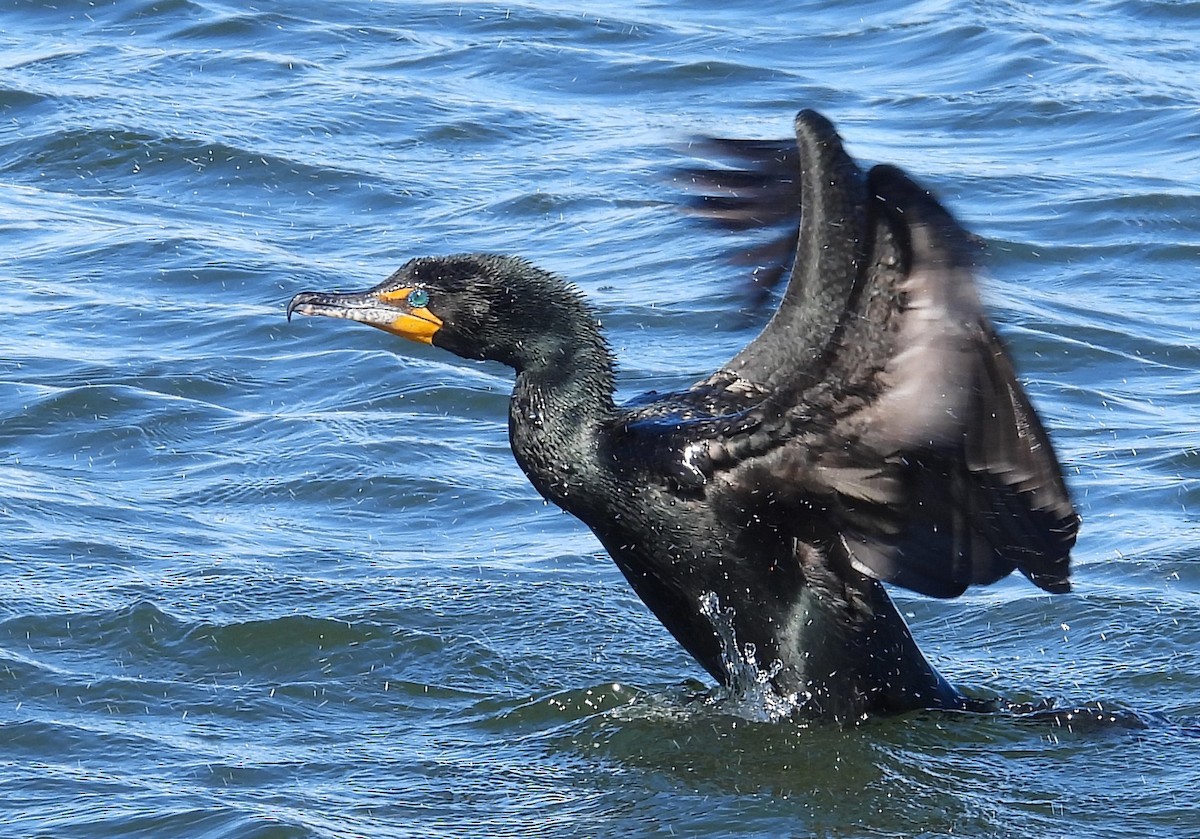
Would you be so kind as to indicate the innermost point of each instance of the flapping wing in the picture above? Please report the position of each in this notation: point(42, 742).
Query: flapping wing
point(828, 241)
point(950, 400)
point(759, 190)
point(887, 426)
point(915, 457)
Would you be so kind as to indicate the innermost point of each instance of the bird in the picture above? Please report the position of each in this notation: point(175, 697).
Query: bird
point(873, 434)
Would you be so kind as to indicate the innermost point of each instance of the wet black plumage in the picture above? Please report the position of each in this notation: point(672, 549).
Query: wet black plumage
point(874, 431)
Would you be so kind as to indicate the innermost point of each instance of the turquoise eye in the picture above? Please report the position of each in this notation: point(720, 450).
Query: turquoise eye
point(418, 298)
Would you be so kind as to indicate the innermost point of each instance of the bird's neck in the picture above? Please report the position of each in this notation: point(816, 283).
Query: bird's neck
point(560, 405)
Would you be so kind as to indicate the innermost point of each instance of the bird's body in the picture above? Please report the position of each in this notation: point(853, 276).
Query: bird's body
point(873, 431)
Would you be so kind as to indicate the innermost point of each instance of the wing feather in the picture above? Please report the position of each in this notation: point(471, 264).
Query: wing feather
point(878, 415)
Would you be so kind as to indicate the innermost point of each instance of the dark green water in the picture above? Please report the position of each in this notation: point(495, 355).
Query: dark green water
point(261, 579)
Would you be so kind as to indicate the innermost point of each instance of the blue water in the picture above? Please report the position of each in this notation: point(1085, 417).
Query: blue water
point(261, 579)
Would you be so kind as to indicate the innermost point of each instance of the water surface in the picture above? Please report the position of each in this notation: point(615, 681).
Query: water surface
point(270, 579)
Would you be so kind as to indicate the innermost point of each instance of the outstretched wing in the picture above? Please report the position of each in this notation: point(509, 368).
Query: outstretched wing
point(936, 470)
point(887, 426)
point(829, 246)
point(759, 190)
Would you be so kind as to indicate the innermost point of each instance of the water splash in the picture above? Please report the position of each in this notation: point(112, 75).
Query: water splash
point(750, 692)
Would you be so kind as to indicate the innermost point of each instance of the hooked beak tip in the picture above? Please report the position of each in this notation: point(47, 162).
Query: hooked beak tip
point(296, 302)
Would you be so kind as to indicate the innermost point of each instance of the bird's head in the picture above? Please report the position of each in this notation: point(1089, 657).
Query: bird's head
point(480, 306)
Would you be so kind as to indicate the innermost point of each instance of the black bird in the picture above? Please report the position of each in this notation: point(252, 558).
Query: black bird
point(873, 432)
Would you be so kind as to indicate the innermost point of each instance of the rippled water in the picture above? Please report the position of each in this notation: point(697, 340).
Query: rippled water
point(270, 579)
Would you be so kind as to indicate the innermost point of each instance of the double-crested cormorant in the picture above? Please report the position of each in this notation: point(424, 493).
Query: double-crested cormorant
point(873, 432)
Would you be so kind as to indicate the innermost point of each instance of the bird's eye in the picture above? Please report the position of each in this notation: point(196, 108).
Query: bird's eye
point(418, 298)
